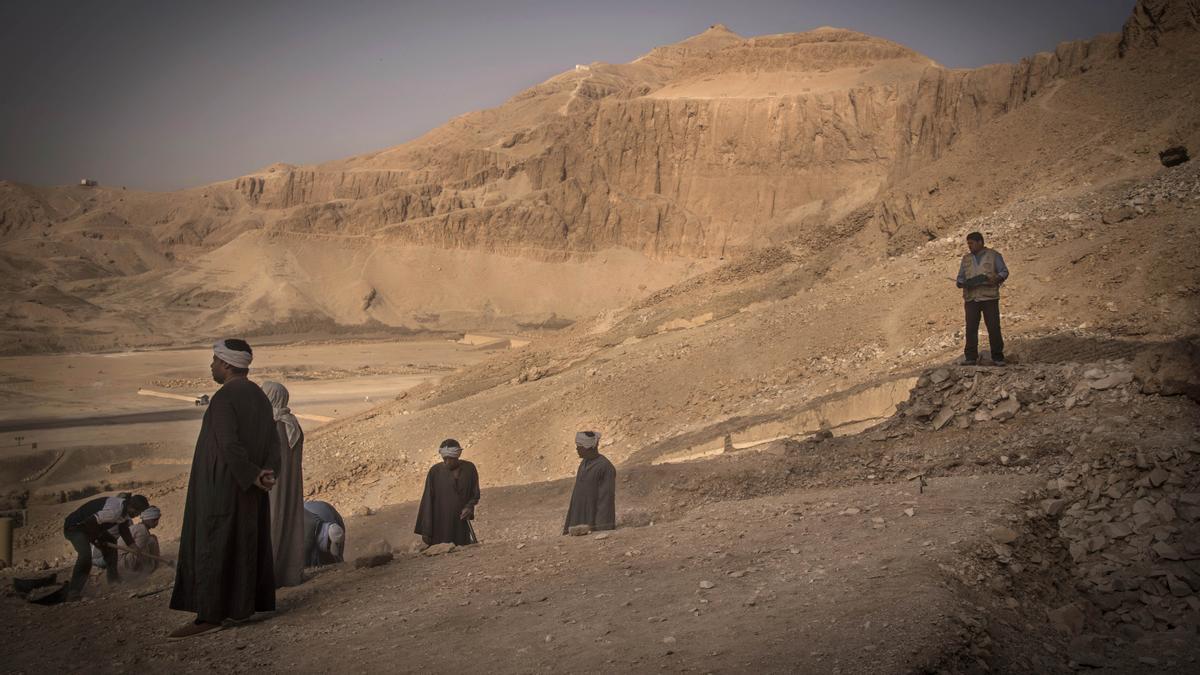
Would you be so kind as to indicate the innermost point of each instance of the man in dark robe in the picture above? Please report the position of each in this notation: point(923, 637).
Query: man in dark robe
point(225, 569)
point(451, 493)
point(324, 534)
point(594, 498)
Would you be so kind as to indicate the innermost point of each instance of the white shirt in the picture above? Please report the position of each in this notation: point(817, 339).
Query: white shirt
point(113, 512)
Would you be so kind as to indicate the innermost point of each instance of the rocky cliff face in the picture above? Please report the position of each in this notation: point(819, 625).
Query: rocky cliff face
point(713, 146)
point(1153, 19)
point(698, 149)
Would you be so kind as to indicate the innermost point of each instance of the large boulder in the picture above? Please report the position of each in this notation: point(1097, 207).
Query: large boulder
point(1170, 370)
point(1173, 156)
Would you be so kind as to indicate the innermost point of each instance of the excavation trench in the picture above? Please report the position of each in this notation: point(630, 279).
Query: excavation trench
point(842, 414)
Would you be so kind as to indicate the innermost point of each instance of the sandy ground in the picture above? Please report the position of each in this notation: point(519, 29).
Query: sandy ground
point(799, 584)
point(87, 420)
point(1057, 531)
point(806, 558)
point(91, 399)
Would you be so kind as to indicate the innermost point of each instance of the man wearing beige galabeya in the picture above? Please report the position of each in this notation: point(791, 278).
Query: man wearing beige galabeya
point(980, 276)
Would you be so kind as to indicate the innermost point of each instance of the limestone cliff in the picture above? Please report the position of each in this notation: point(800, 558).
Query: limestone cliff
point(712, 146)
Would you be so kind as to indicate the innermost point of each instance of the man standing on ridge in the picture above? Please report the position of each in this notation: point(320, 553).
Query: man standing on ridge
point(594, 497)
point(225, 566)
point(980, 275)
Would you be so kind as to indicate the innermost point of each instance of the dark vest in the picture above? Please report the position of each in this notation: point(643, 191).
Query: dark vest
point(88, 510)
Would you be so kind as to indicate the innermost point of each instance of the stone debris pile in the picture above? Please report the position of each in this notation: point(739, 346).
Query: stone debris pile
point(960, 397)
point(1131, 524)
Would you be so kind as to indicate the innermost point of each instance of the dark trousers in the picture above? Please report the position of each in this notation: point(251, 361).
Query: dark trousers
point(990, 309)
point(83, 564)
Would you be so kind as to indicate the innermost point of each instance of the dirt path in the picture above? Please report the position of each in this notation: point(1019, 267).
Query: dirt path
point(811, 581)
point(802, 557)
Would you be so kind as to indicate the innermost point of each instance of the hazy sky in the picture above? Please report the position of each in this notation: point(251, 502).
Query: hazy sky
point(165, 94)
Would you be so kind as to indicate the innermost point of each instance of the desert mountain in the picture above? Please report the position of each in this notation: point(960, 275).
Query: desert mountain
point(836, 174)
point(1068, 184)
point(595, 188)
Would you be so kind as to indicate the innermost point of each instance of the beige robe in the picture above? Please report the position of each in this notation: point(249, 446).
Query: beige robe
point(287, 512)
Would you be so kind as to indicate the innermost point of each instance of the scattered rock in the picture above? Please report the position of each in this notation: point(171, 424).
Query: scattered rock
point(1170, 370)
point(1118, 215)
point(920, 410)
point(1117, 530)
point(1112, 380)
point(1053, 507)
point(707, 584)
point(1068, 619)
point(1087, 650)
point(439, 549)
point(362, 511)
point(1173, 156)
point(1166, 551)
point(943, 417)
point(1006, 409)
point(579, 530)
point(375, 560)
point(1002, 535)
point(379, 546)
point(600, 536)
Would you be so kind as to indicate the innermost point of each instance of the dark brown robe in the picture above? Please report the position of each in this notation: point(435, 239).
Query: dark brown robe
point(444, 499)
point(225, 569)
point(594, 498)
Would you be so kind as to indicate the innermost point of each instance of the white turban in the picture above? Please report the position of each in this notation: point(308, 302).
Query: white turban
point(232, 357)
point(588, 440)
point(151, 513)
point(450, 450)
point(337, 538)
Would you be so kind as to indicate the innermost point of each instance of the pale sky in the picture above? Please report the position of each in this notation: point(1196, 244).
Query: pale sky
point(162, 95)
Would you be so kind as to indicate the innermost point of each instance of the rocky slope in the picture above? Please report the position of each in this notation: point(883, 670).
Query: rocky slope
point(715, 146)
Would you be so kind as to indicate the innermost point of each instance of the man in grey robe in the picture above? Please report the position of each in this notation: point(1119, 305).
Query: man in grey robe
point(324, 534)
point(594, 497)
point(448, 503)
point(225, 568)
point(287, 497)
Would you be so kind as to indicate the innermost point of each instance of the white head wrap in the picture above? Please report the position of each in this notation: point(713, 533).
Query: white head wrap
point(278, 395)
point(337, 539)
point(151, 513)
point(232, 357)
point(587, 439)
point(450, 450)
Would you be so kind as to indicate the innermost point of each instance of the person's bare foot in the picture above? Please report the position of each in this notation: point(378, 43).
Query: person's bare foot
point(192, 629)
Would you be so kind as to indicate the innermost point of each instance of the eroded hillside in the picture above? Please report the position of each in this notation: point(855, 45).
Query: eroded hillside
point(601, 186)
